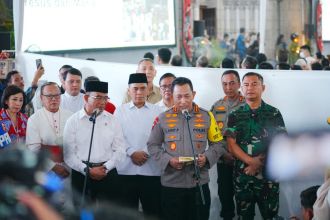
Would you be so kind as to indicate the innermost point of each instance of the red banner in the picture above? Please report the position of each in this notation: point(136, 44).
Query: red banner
point(318, 33)
point(187, 34)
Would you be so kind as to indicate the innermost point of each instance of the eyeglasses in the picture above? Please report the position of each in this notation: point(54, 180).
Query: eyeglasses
point(164, 87)
point(56, 96)
point(103, 98)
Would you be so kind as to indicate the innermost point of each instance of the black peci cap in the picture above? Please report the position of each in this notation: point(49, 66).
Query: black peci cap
point(97, 86)
point(137, 78)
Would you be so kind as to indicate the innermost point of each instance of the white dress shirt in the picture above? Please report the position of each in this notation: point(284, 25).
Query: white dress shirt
point(72, 103)
point(162, 105)
point(137, 124)
point(108, 143)
point(45, 127)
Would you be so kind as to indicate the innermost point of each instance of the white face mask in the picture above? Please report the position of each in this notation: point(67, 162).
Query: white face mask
point(302, 55)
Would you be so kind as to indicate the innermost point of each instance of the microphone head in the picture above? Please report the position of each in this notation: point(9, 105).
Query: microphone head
point(186, 114)
point(184, 111)
point(96, 111)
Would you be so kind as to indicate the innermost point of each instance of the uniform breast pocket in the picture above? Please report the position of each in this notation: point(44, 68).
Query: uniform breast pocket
point(171, 143)
point(200, 142)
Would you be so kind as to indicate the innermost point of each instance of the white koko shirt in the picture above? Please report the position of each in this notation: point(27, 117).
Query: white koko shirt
point(137, 124)
point(108, 143)
point(72, 103)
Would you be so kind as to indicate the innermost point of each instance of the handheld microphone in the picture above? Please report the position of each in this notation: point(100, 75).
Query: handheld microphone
point(186, 114)
point(95, 113)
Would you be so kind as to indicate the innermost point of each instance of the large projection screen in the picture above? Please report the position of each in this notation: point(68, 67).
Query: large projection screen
point(94, 24)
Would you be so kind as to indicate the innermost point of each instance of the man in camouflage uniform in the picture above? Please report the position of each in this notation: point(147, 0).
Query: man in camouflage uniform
point(169, 145)
point(250, 129)
point(230, 84)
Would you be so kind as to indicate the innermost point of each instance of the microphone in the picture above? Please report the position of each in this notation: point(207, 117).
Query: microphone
point(95, 113)
point(186, 114)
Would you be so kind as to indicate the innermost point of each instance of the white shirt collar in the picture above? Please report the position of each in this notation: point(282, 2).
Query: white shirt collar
point(82, 113)
point(131, 105)
point(66, 94)
point(51, 113)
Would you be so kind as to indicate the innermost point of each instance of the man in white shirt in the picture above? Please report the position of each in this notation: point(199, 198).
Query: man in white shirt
point(140, 176)
point(107, 148)
point(165, 85)
point(72, 99)
point(45, 127)
point(61, 73)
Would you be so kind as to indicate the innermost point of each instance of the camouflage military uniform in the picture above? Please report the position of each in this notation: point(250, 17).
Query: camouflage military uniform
point(253, 130)
point(221, 110)
point(170, 138)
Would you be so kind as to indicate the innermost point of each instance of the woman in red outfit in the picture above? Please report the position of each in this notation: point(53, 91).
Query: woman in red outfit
point(12, 120)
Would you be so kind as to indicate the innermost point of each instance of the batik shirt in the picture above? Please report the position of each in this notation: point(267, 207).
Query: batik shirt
point(17, 134)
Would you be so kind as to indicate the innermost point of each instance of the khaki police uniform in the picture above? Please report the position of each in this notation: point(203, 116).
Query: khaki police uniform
point(170, 138)
point(221, 110)
point(153, 97)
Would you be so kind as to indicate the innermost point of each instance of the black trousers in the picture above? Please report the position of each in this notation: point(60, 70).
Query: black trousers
point(147, 189)
point(185, 203)
point(226, 190)
point(106, 189)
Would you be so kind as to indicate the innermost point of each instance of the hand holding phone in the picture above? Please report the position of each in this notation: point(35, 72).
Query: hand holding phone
point(38, 63)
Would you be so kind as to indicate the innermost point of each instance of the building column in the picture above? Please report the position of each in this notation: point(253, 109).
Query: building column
point(247, 18)
point(256, 18)
point(238, 25)
point(227, 19)
point(196, 9)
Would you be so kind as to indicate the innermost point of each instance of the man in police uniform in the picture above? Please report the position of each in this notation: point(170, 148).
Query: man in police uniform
point(170, 146)
point(250, 129)
point(230, 84)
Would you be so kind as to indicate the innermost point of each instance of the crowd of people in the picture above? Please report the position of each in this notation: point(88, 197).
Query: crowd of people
point(246, 46)
point(290, 57)
point(152, 154)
